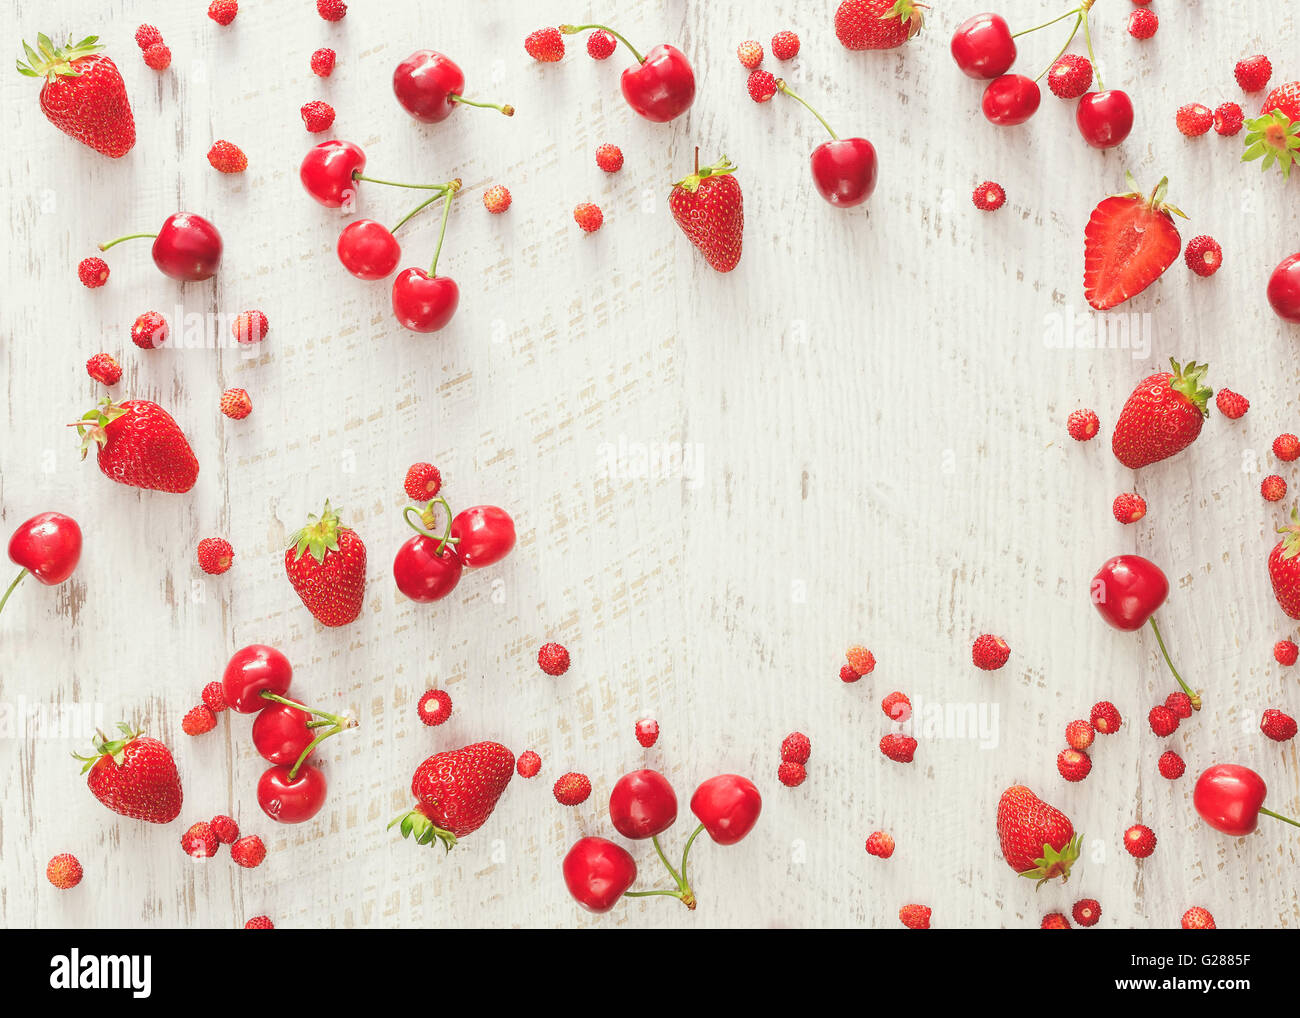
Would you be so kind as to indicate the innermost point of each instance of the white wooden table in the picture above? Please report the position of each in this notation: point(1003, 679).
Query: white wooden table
point(875, 420)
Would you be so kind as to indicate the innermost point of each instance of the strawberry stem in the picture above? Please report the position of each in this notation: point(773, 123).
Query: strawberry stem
point(783, 87)
point(129, 236)
point(575, 29)
point(17, 580)
point(505, 108)
point(1279, 816)
point(1193, 696)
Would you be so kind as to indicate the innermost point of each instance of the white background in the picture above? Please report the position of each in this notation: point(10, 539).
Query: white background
point(878, 423)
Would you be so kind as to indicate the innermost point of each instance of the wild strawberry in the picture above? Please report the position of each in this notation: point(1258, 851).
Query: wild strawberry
point(750, 54)
point(709, 208)
point(225, 828)
point(1171, 765)
point(1277, 726)
point(572, 789)
point(1129, 242)
point(200, 841)
point(1162, 417)
point(761, 85)
point(796, 748)
point(496, 199)
point(1275, 133)
point(1286, 448)
point(1285, 653)
point(1129, 507)
point(860, 660)
point(528, 764)
point(647, 732)
point(877, 24)
point(553, 658)
point(1105, 718)
point(849, 674)
point(1284, 567)
point(249, 327)
point(150, 331)
point(915, 917)
point(1273, 488)
point(326, 564)
point(215, 555)
point(1228, 119)
point(600, 45)
point(1232, 405)
point(609, 158)
point(259, 922)
point(897, 706)
point(227, 158)
point(791, 774)
point(434, 707)
point(1252, 74)
point(223, 11)
point(898, 748)
point(104, 369)
point(1086, 911)
point(63, 871)
point(588, 216)
point(1180, 703)
point(146, 36)
point(248, 852)
point(785, 45)
point(1198, 918)
point(423, 482)
point(158, 57)
point(456, 792)
point(236, 404)
point(140, 445)
point(1070, 77)
point(214, 697)
point(331, 10)
point(1163, 721)
point(93, 272)
point(545, 45)
point(990, 652)
point(1083, 425)
point(880, 845)
point(1079, 734)
point(1054, 921)
point(989, 196)
point(317, 116)
point(1194, 119)
point(322, 62)
point(1142, 23)
point(83, 94)
point(1203, 255)
point(1037, 840)
point(1140, 841)
point(198, 721)
point(1073, 764)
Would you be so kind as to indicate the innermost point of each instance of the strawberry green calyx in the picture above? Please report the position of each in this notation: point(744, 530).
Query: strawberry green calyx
point(320, 535)
point(1291, 535)
point(1187, 381)
point(1054, 863)
point(93, 424)
point(909, 12)
point(56, 61)
point(1275, 137)
point(719, 169)
point(425, 831)
point(1156, 200)
point(103, 746)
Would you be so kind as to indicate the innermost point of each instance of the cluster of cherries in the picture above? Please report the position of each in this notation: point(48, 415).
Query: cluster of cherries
point(984, 47)
point(598, 872)
point(48, 547)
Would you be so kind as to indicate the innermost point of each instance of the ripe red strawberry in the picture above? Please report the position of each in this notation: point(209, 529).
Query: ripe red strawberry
point(134, 776)
point(434, 707)
point(1162, 417)
point(1054, 921)
point(1193, 119)
point(897, 747)
point(215, 555)
point(235, 404)
point(64, 871)
point(861, 660)
point(1231, 404)
point(214, 697)
point(1082, 425)
point(609, 158)
point(1129, 507)
point(880, 844)
point(158, 57)
point(1105, 718)
point(456, 792)
point(1073, 764)
point(1171, 765)
point(897, 706)
point(989, 196)
point(225, 828)
point(1142, 23)
point(849, 674)
point(553, 658)
point(1198, 918)
point(83, 95)
point(1273, 488)
point(1286, 448)
point(588, 216)
point(248, 852)
point(1140, 841)
point(1284, 567)
point(259, 922)
point(93, 272)
point(1252, 74)
point(1285, 653)
point(915, 917)
point(1070, 77)
point(796, 748)
point(791, 774)
point(1080, 734)
point(761, 85)
point(198, 721)
point(1038, 840)
point(1180, 703)
point(326, 563)
point(529, 764)
point(200, 841)
point(709, 208)
point(750, 54)
point(249, 327)
point(572, 789)
point(496, 199)
point(1277, 726)
point(990, 652)
point(322, 62)
point(785, 45)
point(317, 116)
point(140, 445)
point(423, 482)
point(146, 36)
point(223, 11)
point(545, 45)
point(1228, 119)
point(1203, 255)
point(1129, 242)
point(600, 45)
point(104, 369)
point(150, 331)
point(331, 10)
point(1086, 911)
point(647, 732)
point(877, 24)
point(1275, 133)
point(227, 158)
point(1163, 721)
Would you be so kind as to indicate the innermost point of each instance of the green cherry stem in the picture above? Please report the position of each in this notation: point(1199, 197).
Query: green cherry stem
point(419, 208)
point(1087, 37)
point(1194, 697)
point(505, 108)
point(1279, 816)
point(337, 720)
point(442, 231)
point(332, 730)
point(1073, 32)
point(394, 183)
point(684, 891)
point(426, 515)
point(129, 236)
point(1047, 24)
point(575, 29)
point(17, 580)
point(783, 87)
point(687, 850)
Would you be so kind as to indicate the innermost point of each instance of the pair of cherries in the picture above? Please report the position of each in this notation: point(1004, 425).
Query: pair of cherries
point(984, 47)
point(48, 547)
point(285, 732)
point(186, 247)
point(598, 872)
point(428, 566)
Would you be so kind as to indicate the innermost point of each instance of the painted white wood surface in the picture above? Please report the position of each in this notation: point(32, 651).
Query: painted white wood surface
point(876, 424)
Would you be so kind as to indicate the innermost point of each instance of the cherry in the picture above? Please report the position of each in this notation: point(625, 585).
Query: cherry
point(281, 733)
point(1011, 99)
point(429, 87)
point(425, 301)
point(186, 247)
point(368, 249)
point(1104, 118)
point(727, 807)
point(642, 805)
point(250, 672)
point(427, 567)
point(983, 46)
point(288, 797)
point(48, 547)
point(661, 87)
point(597, 872)
point(1230, 798)
point(484, 534)
point(843, 169)
point(1284, 289)
point(330, 170)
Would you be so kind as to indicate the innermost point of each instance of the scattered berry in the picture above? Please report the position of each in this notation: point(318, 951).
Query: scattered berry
point(546, 45)
point(1231, 404)
point(331, 10)
point(572, 789)
point(235, 404)
point(1163, 721)
point(215, 555)
point(249, 327)
point(1079, 734)
point(791, 774)
point(214, 697)
point(990, 652)
point(861, 660)
point(150, 331)
point(1203, 255)
point(1129, 507)
point(1105, 717)
point(897, 706)
point(609, 158)
point(1253, 73)
point(317, 116)
point(989, 196)
point(104, 369)
point(1070, 77)
point(1285, 652)
point(223, 11)
point(1054, 921)
point(496, 199)
point(93, 272)
point(588, 216)
point(1083, 425)
point(63, 871)
point(1273, 488)
point(898, 748)
point(1194, 119)
point(1086, 911)
point(785, 45)
point(200, 841)
point(248, 852)
point(849, 674)
point(647, 732)
point(880, 844)
point(158, 57)
point(915, 917)
point(553, 658)
point(423, 482)
point(528, 764)
point(1277, 726)
point(199, 720)
point(1286, 448)
point(146, 36)
point(1228, 119)
point(761, 85)
point(1198, 918)
point(1073, 764)
point(434, 707)
point(750, 53)
point(600, 45)
point(227, 158)
point(322, 62)
point(1140, 841)
point(1142, 23)
point(796, 748)
point(1180, 703)
point(1171, 765)
point(259, 922)
point(225, 828)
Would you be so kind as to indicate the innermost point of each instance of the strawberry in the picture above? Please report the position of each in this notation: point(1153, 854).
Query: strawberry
point(146, 36)
point(235, 404)
point(322, 62)
point(600, 45)
point(198, 721)
point(134, 776)
point(331, 10)
point(158, 57)
point(1140, 841)
point(1073, 764)
point(990, 652)
point(1162, 417)
point(104, 369)
point(1252, 74)
point(93, 272)
point(528, 764)
point(708, 207)
point(223, 11)
point(434, 707)
point(878, 24)
point(1038, 840)
point(214, 697)
point(553, 658)
point(1284, 567)
point(225, 157)
point(63, 871)
point(880, 844)
point(1286, 448)
point(456, 792)
point(861, 660)
point(572, 789)
point(200, 841)
point(750, 54)
point(1129, 507)
point(1170, 765)
point(150, 331)
point(259, 922)
point(1285, 653)
point(140, 445)
point(545, 45)
point(785, 45)
point(1163, 721)
point(1082, 425)
point(915, 917)
point(1198, 918)
point(1273, 488)
point(1193, 119)
point(423, 482)
point(1203, 255)
point(849, 674)
point(326, 563)
point(1232, 405)
point(1228, 119)
point(898, 748)
point(897, 706)
point(1054, 921)
point(791, 774)
point(1086, 911)
point(1070, 77)
point(1129, 242)
point(248, 852)
point(609, 158)
point(989, 196)
point(588, 216)
point(249, 327)
point(83, 95)
point(1105, 718)
point(225, 828)
point(796, 748)
point(317, 116)
point(1180, 703)
point(1275, 133)
point(761, 85)
point(1142, 23)
point(215, 555)
point(496, 199)
point(1080, 734)
point(1277, 726)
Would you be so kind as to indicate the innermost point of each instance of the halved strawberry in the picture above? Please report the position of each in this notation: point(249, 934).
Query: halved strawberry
point(1275, 134)
point(1130, 240)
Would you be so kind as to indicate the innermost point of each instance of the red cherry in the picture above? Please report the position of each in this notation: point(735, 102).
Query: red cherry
point(597, 872)
point(642, 805)
point(329, 172)
point(429, 86)
point(1284, 289)
point(983, 46)
point(1228, 797)
point(424, 303)
point(250, 671)
point(727, 806)
point(291, 800)
point(1104, 118)
point(1011, 99)
point(48, 546)
point(187, 248)
point(368, 250)
point(484, 534)
point(280, 733)
point(662, 87)
point(421, 573)
point(1127, 590)
point(844, 171)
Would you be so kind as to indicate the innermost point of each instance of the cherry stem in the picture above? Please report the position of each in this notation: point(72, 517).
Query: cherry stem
point(1087, 37)
point(394, 183)
point(333, 730)
point(1073, 32)
point(417, 210)
point(505, 108)
point(684, 891)
point(1194, 697)
point(129, 236)
point(783, 87)
point(442, 232)
point(338, 720)
point(575, 29)
point(687, 850)
point(1279, 816)
point(1047, 24)
point(423, 529)
point(17, 580)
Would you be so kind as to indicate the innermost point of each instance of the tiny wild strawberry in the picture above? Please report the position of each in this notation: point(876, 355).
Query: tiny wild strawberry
point(1194, 119)
point(158, 57)
point(317, 116)
point(791, 774)
point(236, 404)
point(322, 62)
point(199, 721)
point(553, 658)
point(785, 45)
point(1070, 77)
point(588, 216)
point(1171, 765)
point(1228, 119)
point(1285, 653)
point(1105, 718)
point(528, 764)
point(496, 199)
point(93, 272)
point(1129, 507)
point(223, 11)
point(1252, 74)
point(150, 331)
point(1231, 404)
point(897, 747)
point(423, 482)
point(248, 852)
point(215, 555)
point(227, 158)
point(796, 748)
point(546, 45)
point(331, 10)
point(1273, 488)
point(225, 828)
point(1198, 918)
point(1083, 425)
point(990, 652)
point(1073, 764)
point(1286, 448)
point(1142, 23)
point(989, 196)
point(1086, 911)
point(880, 845)
point(600, 45)
point(1080, 734)
point(572, 789)
point(1163, 721)
point(761, 85)
point(1140, 841)
point(647, 732)
point(750, 54)
point(104, 369)
point(1054, 921)
point(1203, 255)
point(434, 707)
point(64, 871)
point(1277, 726)
point(609, 158)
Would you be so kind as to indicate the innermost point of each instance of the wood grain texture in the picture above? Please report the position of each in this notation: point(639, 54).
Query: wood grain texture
point(872, 411)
